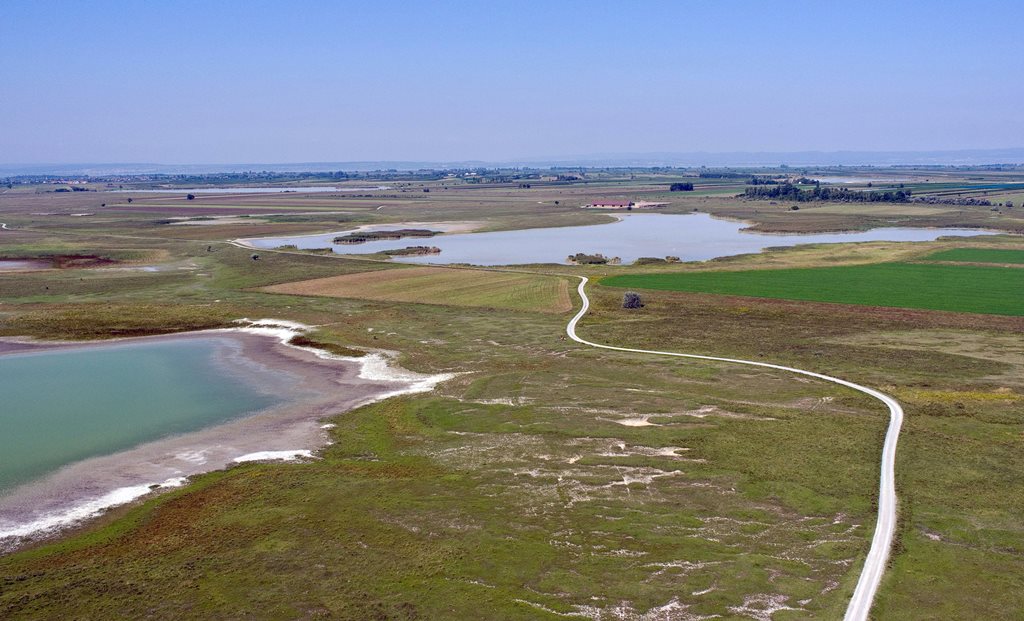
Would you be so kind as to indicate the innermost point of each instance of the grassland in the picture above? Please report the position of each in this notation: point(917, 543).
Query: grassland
point(547, 478)
point(431, 285)
point(979, 255)
point(968, 289)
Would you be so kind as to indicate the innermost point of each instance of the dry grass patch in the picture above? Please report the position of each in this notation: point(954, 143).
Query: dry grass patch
point(436, 285)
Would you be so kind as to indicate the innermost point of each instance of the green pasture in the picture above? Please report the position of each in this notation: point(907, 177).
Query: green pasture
point(959, 288)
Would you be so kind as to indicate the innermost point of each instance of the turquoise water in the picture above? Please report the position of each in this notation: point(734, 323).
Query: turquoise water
point(63, 405)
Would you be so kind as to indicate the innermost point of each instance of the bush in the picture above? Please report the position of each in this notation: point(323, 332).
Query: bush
point(631, 299)
point(581, 258)
point(681, 187)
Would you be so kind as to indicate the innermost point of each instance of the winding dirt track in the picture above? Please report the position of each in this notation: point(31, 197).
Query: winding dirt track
point(885, 528)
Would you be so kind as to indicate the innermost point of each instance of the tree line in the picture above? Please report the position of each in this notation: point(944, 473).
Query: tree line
point(790, 192)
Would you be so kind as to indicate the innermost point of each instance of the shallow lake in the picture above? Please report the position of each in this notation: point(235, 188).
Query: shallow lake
point(691, 237)
point(65, 405)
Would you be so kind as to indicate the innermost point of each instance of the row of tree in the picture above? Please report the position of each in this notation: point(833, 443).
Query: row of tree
point(937, 200)
point(790, 192)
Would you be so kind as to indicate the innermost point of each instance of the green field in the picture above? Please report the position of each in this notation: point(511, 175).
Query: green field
point(979, 255)
point(960, 288)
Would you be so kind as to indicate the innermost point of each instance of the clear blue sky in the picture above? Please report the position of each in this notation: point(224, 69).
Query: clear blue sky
point(217, 82)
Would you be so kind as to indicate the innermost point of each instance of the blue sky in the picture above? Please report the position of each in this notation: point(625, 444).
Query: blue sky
point(217, 82)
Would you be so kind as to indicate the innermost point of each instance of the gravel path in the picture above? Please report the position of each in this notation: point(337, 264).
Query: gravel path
point(885, 528)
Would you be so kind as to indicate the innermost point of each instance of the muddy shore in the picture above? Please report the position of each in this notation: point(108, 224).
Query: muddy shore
point(309, 385)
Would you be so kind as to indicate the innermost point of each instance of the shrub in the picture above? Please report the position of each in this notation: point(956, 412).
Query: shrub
point(581, 258)
point(631, 299)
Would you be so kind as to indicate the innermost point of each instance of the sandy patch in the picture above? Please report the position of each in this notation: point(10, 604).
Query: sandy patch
point(291, 455)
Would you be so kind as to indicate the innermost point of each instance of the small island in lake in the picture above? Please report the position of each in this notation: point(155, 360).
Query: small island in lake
point(581, 258)
point(368, 236)
point(412, 251)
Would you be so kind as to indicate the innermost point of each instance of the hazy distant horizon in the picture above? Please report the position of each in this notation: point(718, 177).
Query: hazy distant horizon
point(965, 157)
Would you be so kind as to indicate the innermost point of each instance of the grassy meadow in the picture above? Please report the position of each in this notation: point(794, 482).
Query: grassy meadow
point(433, 285)
point(958, 288)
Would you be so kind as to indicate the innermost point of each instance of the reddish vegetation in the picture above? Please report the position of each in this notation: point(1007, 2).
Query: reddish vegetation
point(70, 261)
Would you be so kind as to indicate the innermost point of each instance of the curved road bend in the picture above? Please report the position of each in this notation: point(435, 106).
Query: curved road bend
point(881, 542)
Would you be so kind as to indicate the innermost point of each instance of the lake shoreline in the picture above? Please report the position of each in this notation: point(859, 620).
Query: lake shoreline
point(317, 385)
point(693, 236)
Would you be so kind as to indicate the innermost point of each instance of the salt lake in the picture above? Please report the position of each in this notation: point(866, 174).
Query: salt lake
point(64, 405)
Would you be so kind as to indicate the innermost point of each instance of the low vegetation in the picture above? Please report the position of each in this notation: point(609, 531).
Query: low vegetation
point(301, 340)
point(412, 251)
point(979, 255)
point(960, 288)
point(436, 285)
point(549, 479)
point(368, 236)
point(655, 260)
point(106, 320)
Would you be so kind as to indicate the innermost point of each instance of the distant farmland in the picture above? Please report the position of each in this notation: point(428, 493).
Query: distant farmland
point(959, 288)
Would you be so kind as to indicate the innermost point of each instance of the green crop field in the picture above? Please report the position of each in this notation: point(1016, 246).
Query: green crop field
point(979, 255)
point(961, 288)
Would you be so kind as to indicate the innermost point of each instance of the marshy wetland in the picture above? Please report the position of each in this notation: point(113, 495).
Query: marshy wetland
point(541, 478)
